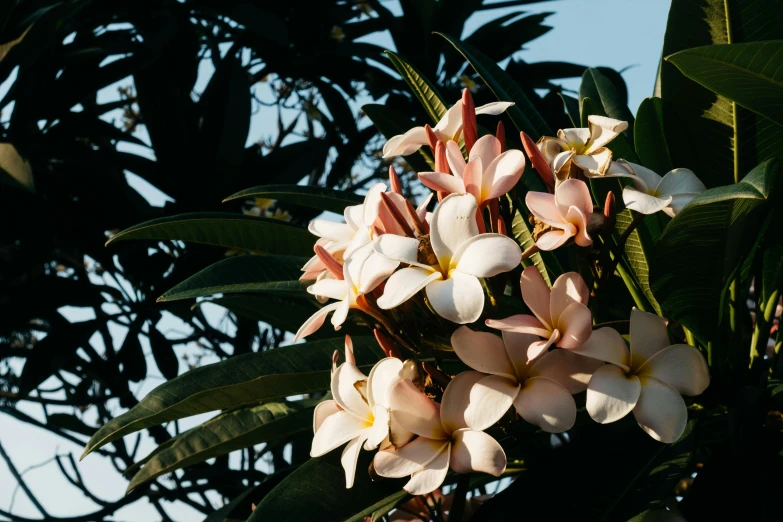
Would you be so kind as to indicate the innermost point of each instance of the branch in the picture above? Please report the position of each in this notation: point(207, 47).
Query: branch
point(22, 483)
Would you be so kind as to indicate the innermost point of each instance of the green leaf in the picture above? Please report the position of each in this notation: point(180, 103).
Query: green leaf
point(422, 89)
point(244, 379)
point(571, 106)
point(163, 353)
point(240, 274)
point(233, 430)
point(704, 245)
point(316, 491)
point(285, 313)
point(316, 197)
point(650, 137)
point(390, 123)
point(599, 88)
point(724, 141)
point(750, 74)
point(524, 115)
point(250, 233)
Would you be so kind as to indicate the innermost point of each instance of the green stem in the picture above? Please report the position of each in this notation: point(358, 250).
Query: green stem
point(689, 337)
point(765, 311)
point(636, 292)
point(618, 250)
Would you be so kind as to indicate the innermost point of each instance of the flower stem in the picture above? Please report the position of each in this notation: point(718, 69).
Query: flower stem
point(620, 247)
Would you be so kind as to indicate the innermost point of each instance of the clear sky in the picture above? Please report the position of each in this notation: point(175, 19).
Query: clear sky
point(614, 33)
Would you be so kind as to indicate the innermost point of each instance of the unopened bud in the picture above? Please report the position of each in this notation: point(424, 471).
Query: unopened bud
point(469, 125)
point(432, 139)
point(500, 134)
point(436, 374)
point(538, 161)
point(394, 180)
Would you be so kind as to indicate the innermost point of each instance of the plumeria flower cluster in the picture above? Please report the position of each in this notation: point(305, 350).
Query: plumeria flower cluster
point(527, 366)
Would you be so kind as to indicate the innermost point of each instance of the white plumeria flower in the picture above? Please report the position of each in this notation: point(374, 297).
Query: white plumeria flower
point(358, 413)
point(448, 128)
point(648, 379)
point(463, 256)
point(652, 193)
point(488, 174)
point(585, 148)
point(447, 437)
point(540, 390)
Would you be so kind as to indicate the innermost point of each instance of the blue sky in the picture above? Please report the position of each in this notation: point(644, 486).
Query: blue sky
point(614, 33)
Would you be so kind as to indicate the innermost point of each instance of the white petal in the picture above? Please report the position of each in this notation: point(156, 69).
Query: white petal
point(517, 345)
point(648, 177)
point(483, 352)
point(487, 255)
point(611, 395)
point(453, 223)
point(335, 431)
point(460, 298)
point(680, 181)
point(644, 203)
point(372, 204)
point(341, 313)
point(315, 321)
point(404, 284)
point(476, 401)
point(408, 459)
point(354, 216)
point(331, 230)
point(574, 138)
point(455, 158)
point(648, 336)
point(451, 123)
point(494, 108)
point(603, 130)
point(475, 451)
point(383, 376)
point(680, 366)
point(379, 430)
point(398, 248)
point(432, 476)
point(566, 368)
point(660, 412)
point(415, 411)
point(404, 144)
point(375, 270)
point(323, 410)
point(350, 457)
point(606, 344)
point(546, 404)
point(345, 393)
point(456, 400)
point(594, 164)
point(331, 288)
point(678, 202)
point(536, 294)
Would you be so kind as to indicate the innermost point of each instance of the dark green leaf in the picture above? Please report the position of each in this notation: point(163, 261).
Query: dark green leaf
point(316, 197)
point(244, 379)
point(391, 123)
point(238, 274)
point(597, 87)
point(250, 233)
point(650, 137)
point(422, 89)
point(163, 353)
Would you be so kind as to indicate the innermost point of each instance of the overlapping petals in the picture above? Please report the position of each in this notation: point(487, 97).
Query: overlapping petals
point(648, 380)
point(583, 148)
point(447, 436)
point(561, 315)
point(358, 413)
point(488, 173)
point(652, 193)
point(564, 215)
point(448, 128)
point(461, 257)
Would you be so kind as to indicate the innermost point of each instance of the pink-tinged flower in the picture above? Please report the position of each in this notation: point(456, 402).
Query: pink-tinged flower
point(358, 413)
point(448, 435)
point(488, 174)
point(652, 193)
point(567, 212)
point(647, 380)
point(460, 257)
point(448, 128)
point(540, 392)
point(585, 148)
point(561, 316)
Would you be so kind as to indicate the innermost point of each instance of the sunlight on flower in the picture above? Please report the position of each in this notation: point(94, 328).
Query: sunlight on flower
point(565, 214)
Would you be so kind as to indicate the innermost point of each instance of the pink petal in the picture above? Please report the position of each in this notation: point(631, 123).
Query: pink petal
point(578, 220)
point(432, 476)
point(648, 336)
point(487, 148)
point(568, 288)
point(681, 366)
point(575, 325)
point(523, 324)
point(455, 158)
point(408, 459)
point(611, 394)
point(477, 401)
point(546, 404)
point(471, 177)
point(456, 399)
point(536, 295)
point(415, 411)
point(517, 345)
point(543, 207)
point(566, 368)
point(442, 182)
point(660, 411)
point(606, 344)
point(482, 351)
point(502, 174)
point(556, 238)
point(315, 321)
point(538, 348)
point(573, 193)
point(475, 451)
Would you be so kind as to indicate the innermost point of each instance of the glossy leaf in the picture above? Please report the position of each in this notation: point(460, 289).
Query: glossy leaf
point(422, 89)
point(750, 74)
point(390, 123)
point(227, 432)
point(250, 233)
point(244, 379)
point(599, 88)
point(316, 197)
point(242, 274)
point(714, 226)
point(524, 115)
point(650, 137)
